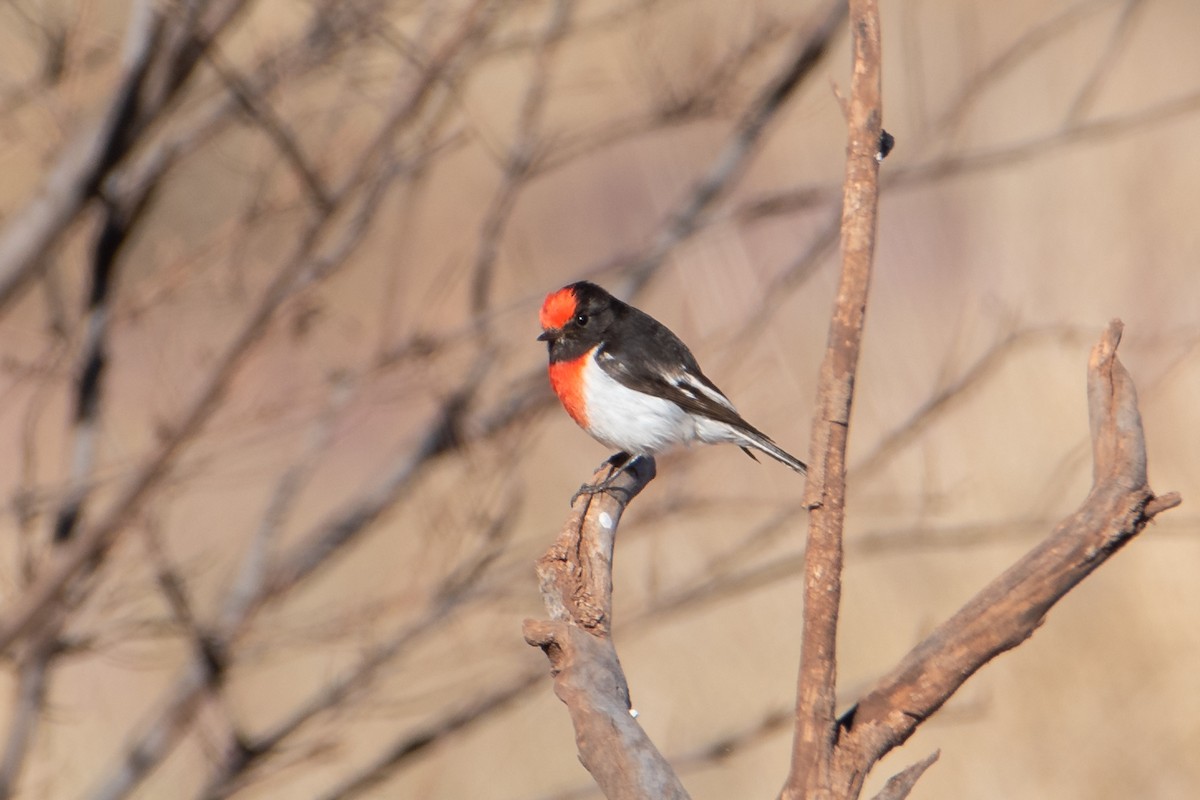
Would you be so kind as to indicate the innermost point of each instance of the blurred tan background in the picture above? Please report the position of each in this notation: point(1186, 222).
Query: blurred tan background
point(420, 175)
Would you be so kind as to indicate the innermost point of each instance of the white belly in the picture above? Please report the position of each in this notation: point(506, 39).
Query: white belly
point(641, 424)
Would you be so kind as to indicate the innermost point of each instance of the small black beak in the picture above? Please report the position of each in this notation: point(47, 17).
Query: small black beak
point(547, 336)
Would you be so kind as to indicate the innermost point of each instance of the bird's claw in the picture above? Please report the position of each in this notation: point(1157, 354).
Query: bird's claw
point(600, 488)
point(619, 463)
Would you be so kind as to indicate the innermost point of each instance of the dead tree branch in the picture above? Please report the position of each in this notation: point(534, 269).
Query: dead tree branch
point(900, 784)
point(1008, 610)
point(576, 580)
point(816, 725)
point(338, 516)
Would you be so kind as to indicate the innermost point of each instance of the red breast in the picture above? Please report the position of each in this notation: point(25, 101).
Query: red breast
point(566, 377)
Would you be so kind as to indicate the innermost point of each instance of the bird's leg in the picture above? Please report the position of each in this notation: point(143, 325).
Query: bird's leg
point(618, 463)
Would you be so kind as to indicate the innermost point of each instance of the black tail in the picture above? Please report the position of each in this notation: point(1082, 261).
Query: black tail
point(765, 445)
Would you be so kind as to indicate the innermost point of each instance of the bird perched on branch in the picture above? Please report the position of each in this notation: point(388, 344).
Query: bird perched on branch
point(632, 384)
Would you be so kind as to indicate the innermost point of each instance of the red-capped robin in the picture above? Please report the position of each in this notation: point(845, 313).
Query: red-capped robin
point(632, 384)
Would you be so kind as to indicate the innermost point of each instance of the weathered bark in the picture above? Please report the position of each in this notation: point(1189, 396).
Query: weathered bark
point(816, 690)
point(576, 580)
point(1007, 611)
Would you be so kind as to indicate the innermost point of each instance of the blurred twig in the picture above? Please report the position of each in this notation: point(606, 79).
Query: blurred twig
point(809, 48)
point(305, 265)
point(161, 51)
point(521, 155)
point(1107, 59)
point(123, 208)
point(456, 588)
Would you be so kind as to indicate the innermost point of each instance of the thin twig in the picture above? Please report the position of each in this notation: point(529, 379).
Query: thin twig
point(276, 129)
point(1106, 59)
point(900, 784)
point(304, 266)
point(808, 50)
point(28, 710)
point(939, 168)
point(448, 598)
point(521, 156)
point(161, 52)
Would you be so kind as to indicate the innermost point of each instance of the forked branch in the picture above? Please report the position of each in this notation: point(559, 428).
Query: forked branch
point(1009, 609)
point(833, 755)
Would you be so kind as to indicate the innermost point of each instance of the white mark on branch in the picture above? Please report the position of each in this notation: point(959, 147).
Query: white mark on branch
point(606, 520)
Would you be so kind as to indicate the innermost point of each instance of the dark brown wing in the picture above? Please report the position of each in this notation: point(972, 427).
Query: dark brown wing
point(647, 357)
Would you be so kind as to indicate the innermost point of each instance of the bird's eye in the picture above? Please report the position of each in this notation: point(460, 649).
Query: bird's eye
point(581, 320)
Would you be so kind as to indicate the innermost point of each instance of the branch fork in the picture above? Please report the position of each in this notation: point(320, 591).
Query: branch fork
point(832, 754)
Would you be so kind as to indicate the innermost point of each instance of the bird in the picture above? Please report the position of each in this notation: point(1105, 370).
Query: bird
point(633, 385)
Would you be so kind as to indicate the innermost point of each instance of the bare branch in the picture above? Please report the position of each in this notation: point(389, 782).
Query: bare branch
point(900, 785)
point(32, 680)
point(1107, 58)
point(277, 130)
point(940, 168)
point(1008, 610)
point(452, 592)
point(411, 744)
point(251, 577)
point(521, 156)
point(305, 265)
point(123, 210)
point(816, 693)
point(808, 50)
point(161, 51)
point(147, 751)
point(576, 580)
point(266, 294)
